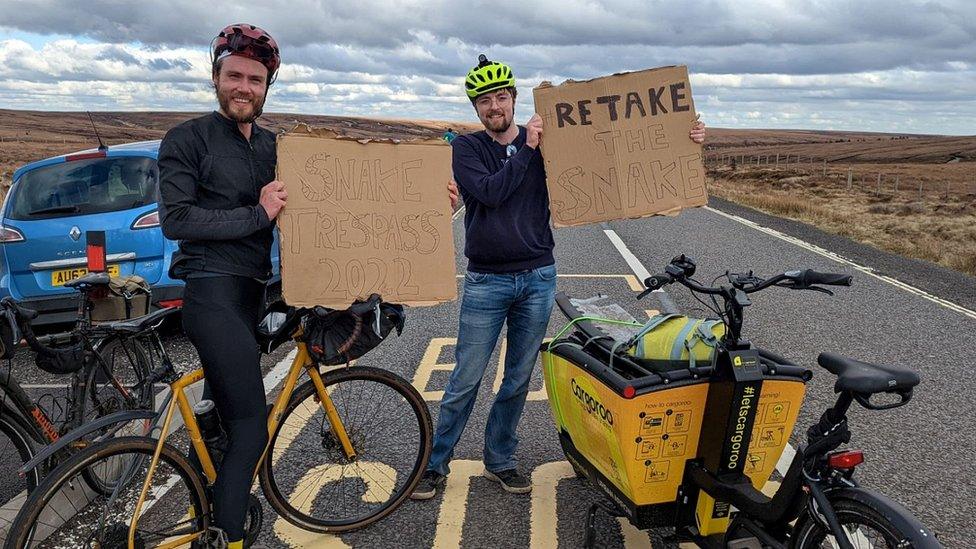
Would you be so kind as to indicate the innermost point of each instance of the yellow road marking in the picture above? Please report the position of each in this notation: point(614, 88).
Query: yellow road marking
point(428, 364)
point(634, 538)
point(454, 507)
point(543, 513)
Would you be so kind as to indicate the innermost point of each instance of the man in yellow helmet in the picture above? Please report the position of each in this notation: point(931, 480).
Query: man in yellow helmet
point(511, 274)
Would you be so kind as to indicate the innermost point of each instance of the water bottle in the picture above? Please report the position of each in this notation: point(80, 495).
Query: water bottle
point(212, 432)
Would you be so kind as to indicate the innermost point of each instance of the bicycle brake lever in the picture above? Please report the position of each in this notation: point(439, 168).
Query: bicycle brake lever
point(643, 294)
point(819, 289)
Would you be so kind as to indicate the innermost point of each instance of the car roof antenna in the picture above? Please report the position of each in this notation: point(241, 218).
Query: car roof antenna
point(101, 145)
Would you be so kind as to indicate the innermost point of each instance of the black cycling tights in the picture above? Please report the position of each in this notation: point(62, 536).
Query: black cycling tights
point(220, 315)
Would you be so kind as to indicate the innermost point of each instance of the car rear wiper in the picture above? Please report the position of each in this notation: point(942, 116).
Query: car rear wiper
point(56, 209)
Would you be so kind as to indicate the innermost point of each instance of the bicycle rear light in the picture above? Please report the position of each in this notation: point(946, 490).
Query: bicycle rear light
point(847, 459)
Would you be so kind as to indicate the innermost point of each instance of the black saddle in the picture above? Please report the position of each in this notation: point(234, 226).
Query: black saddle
point(138, 324)
point(90, 279)
point(865, 378)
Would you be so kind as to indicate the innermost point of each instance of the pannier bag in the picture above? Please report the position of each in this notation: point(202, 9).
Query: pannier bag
point(62, 359)
point(335, 337)
point(673, 341)
point(127, 297)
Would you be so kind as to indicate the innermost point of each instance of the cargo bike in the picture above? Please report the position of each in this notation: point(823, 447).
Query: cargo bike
point(681, 422)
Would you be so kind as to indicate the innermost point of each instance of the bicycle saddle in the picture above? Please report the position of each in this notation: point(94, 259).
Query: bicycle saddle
point(138, 324)
point(866, 378)
point(90, 279)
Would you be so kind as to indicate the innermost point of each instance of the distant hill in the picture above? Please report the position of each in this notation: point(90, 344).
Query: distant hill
point(31, 135)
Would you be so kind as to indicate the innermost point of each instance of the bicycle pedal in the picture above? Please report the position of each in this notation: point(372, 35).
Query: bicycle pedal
point(213, 538)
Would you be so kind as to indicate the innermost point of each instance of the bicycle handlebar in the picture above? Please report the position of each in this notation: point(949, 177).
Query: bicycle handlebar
point(24, 316)
point(795, 280)
point(809, 277)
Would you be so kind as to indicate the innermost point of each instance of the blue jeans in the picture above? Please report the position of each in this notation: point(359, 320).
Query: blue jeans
point(525, 301)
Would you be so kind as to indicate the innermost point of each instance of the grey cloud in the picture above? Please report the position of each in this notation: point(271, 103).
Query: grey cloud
point(115, 53)
point(168, 64)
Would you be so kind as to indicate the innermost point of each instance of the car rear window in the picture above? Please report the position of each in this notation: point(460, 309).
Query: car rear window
point(89, 186)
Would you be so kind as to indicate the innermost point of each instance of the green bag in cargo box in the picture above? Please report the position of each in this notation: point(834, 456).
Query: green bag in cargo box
point(673, 341)
point(127, 297)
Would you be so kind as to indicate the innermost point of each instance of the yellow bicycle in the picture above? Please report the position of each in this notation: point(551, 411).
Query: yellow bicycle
point(346, 448)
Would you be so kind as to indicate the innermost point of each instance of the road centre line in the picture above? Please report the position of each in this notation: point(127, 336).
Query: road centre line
point(635, 264)
point(844, 261)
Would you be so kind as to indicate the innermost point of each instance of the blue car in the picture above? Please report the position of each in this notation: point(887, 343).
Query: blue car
point(53, 202)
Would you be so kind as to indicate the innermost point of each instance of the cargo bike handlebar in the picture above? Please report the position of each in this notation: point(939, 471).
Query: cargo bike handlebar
point(682, 268)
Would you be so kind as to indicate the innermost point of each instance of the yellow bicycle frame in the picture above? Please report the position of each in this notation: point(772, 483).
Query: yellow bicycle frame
point(302, 361)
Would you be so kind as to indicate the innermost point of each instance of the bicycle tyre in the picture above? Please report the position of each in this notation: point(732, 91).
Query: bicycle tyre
point(63, 477)
point(22, 446)
point(859, 518)
point(139, 363)
point(337, 382)
point(105, 399)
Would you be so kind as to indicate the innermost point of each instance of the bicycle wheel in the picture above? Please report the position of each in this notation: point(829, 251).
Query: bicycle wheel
point(16, 449)
point(865, 527)
point(63, 512)
point(111, 382)
point(110, 386)
point(306, 476)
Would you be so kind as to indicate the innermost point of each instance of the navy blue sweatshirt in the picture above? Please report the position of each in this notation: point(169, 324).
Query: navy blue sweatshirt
point(506, 222)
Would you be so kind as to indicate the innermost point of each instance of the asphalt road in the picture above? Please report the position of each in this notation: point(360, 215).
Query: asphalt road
point(898, 311)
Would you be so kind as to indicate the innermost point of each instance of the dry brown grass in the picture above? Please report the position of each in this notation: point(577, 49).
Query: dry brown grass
point(933, 227)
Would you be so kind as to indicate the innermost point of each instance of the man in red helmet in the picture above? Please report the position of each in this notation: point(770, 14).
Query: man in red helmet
point(219, 199)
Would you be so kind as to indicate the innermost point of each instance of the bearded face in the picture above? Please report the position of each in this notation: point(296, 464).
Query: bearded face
point(242, 86)
point(496, 110)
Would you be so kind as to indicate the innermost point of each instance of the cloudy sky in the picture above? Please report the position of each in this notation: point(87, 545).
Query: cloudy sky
point(878, 65)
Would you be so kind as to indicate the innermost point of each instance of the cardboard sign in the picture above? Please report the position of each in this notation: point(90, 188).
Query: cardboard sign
point(362, 217)
point(617, 147)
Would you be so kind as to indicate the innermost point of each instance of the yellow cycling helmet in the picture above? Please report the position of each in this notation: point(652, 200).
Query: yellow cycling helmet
point(488, 76)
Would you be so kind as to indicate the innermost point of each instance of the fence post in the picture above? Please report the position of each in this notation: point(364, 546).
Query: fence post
point(850, 177)
point(947, 190)
point(919, 189)
point(879, 183)
point(824, 167)
point(897, 177)
point(777, 160)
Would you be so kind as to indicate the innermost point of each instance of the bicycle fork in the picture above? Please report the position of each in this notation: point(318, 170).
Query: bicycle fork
point(304, 361)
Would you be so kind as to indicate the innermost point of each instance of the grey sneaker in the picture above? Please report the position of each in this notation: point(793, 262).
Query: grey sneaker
point(428, 485)
point(511, 480)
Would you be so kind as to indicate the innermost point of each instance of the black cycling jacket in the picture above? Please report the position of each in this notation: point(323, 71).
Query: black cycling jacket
point(210, 180)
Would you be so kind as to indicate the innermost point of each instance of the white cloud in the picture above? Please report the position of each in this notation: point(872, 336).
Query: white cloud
point(897, 65)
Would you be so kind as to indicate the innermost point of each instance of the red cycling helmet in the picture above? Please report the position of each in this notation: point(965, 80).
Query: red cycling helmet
point(247, 41)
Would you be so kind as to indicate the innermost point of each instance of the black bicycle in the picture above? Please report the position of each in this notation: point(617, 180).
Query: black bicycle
point(105, 362)
point(705, 448)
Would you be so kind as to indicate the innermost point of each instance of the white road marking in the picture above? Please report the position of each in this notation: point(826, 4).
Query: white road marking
point(844, 261)
point(629, 257)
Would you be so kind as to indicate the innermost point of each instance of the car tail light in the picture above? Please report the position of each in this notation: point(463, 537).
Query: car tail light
point(846, 460)
point(10, 234)
point(167, 303)
point(151, 219)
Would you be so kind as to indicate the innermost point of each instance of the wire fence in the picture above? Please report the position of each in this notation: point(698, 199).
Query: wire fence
point(865, 178)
